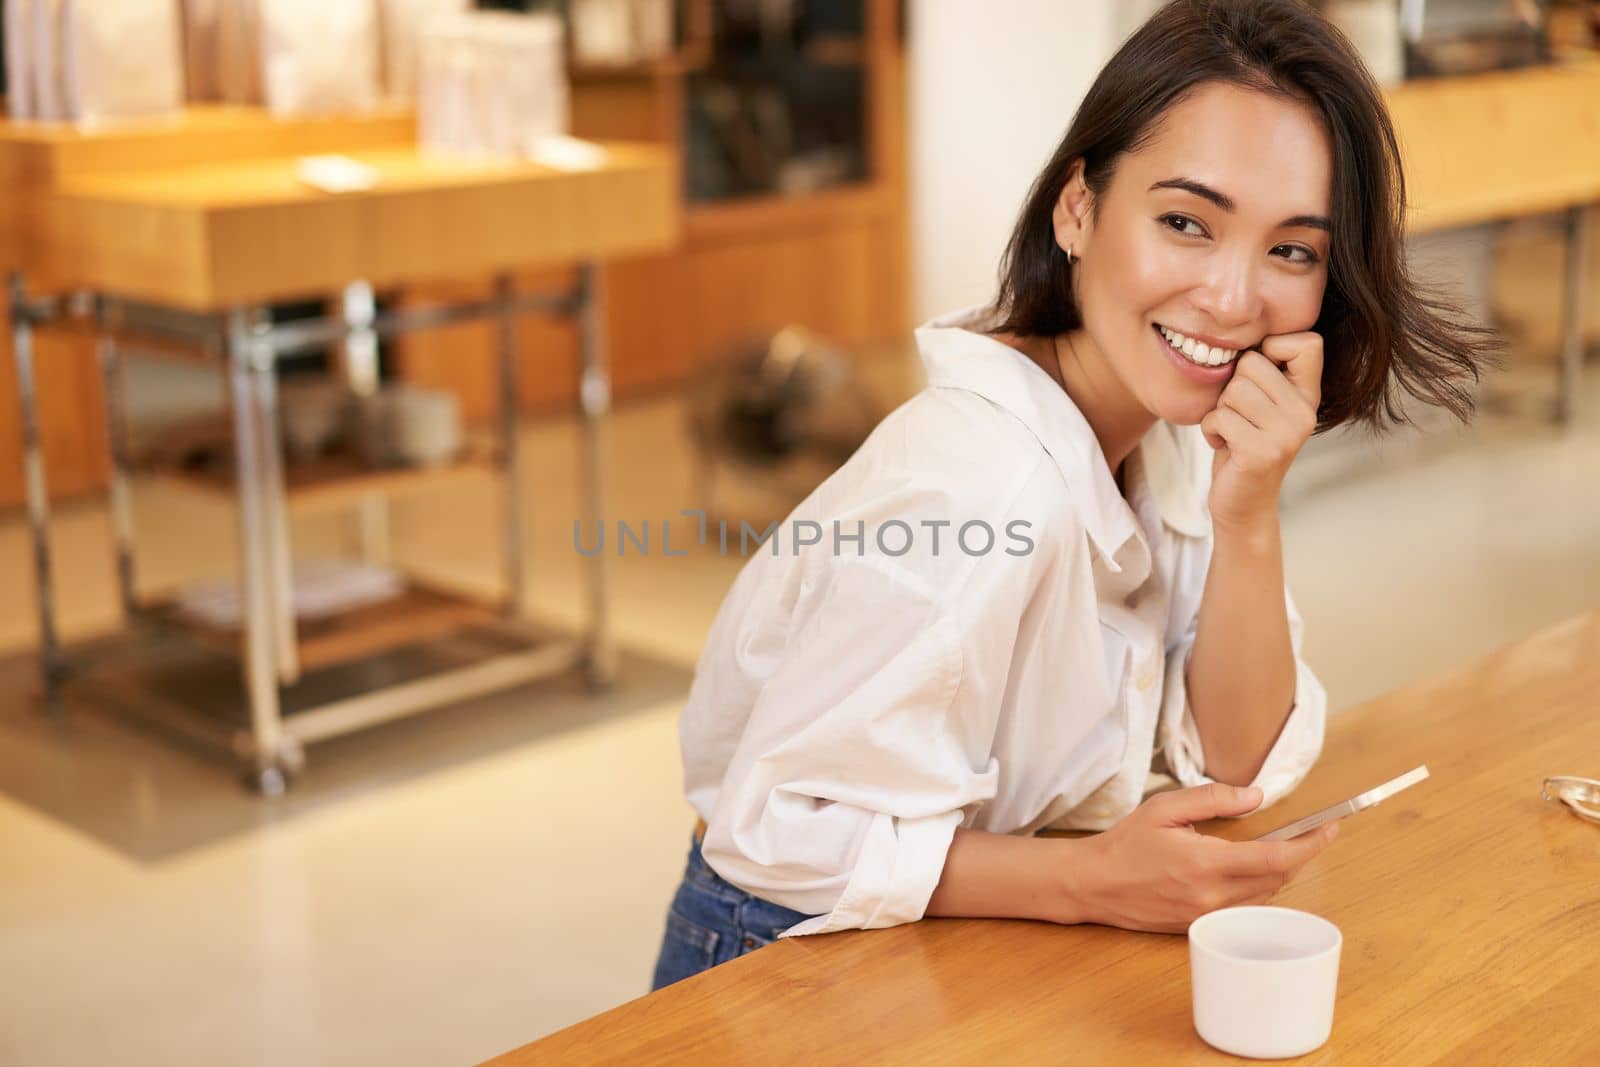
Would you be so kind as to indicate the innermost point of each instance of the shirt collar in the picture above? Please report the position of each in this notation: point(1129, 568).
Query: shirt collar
point(1177, 468)
point(957, 354)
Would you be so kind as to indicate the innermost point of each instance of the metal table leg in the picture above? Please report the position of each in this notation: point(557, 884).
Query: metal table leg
point(52, 664)
point(117, 442)
point(594, 394)
point(510, 452)
point(1568, 384)
point(360, 308)
point(263, 372)
point(255, 550)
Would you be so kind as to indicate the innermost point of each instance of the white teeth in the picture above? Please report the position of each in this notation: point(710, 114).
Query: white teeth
point(1198, 351)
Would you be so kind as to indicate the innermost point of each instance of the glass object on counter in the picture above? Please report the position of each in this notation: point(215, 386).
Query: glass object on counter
point(1581, 795)
point(780, 108)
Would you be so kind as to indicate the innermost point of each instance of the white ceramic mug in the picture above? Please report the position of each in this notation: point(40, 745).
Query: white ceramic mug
point(424, 425)
point(1264, 980)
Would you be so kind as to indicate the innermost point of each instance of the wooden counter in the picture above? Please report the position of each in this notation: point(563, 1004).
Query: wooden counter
point(207, 237)
point(1470, 910)
point(37, 157)
point(1495, 146)
point(204, 210)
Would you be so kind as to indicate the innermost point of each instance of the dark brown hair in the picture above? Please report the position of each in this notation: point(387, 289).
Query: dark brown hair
point(1383, 335)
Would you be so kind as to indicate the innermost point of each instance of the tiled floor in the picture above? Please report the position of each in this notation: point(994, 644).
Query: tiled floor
point(481, 900)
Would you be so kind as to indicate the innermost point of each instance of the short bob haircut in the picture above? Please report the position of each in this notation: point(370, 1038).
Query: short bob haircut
point(1382, 335)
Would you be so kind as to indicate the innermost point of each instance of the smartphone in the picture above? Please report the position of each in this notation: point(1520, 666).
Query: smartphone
point(1359, 802)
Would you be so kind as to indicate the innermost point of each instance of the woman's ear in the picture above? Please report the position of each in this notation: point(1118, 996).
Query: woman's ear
point(1072, 211)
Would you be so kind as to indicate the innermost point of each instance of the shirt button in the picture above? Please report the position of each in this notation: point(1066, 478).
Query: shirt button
point(1147, 677)
point(749, 942)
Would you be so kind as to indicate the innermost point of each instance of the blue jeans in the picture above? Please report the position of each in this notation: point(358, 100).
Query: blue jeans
point(712, 921)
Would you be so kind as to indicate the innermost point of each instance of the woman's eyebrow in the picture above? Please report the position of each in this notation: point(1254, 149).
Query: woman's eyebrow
point(1225, 202)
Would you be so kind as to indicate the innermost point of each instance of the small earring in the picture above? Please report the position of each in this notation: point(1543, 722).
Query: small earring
point(1070, 256)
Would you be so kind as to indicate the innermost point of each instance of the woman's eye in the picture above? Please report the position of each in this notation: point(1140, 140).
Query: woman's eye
point(1297, 254)
point(1183, 224)
point(1179, 222)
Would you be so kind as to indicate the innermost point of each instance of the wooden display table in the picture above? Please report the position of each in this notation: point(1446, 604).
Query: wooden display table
point(178, 233)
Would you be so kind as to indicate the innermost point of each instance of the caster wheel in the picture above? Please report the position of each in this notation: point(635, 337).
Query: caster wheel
point(600, 673)
point(269, 781)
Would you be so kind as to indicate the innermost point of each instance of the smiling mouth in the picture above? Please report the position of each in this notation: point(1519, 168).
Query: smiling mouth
point(1196, 352)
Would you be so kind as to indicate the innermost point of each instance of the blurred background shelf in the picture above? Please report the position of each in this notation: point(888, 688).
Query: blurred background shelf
point(340, 481)
point(420, 613)
point(832, 256)
point(827, 250)
point(676, 65)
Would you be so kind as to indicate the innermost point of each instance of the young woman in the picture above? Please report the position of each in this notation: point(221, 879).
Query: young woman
point(1048, 590)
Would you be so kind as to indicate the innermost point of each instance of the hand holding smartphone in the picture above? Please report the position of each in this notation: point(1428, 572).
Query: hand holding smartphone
point(1359, 802)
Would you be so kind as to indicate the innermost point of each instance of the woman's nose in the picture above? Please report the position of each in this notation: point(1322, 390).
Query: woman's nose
point(1230, 293)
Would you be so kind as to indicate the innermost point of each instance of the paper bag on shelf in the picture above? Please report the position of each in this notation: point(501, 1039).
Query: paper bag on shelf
point(202, 62)
point(44, 39)
point(401, 24)
point(121, 60)
point(492, 84)
point(239, 51)
point(19, 78)
point(319, 57)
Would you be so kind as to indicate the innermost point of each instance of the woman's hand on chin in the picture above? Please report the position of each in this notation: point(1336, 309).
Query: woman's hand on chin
point(1265, 415)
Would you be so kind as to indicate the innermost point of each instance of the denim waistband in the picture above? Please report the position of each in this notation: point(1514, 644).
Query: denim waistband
point(704, 878)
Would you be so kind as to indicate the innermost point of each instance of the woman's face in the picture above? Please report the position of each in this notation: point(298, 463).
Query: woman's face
point(1217, 229)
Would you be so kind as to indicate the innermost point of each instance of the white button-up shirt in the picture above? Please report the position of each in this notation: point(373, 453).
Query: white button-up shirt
point(862, 696)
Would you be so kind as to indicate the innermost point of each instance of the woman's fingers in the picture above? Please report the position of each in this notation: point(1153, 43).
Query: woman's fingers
point(1224, 426)
point(1293, 411)
point(1300, 355)
point(1268, 859)
point(1246, 397)
point(1256, 368)
point(1214, 800)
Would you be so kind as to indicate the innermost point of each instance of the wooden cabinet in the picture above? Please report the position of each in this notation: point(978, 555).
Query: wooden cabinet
point(834, 261)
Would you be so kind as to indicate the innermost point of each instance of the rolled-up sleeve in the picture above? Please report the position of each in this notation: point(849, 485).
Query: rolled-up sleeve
point(1298, 745)
point(863, 753)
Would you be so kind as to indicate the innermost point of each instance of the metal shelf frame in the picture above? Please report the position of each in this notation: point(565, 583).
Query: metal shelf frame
point(249, 346)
